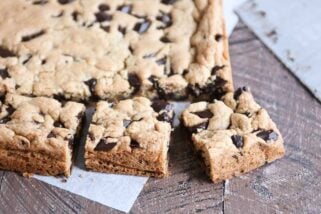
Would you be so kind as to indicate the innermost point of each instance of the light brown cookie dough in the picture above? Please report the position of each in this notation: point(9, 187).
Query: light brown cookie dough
point(37, 134)
point(130, 137)
point(233, 136)
point(111, 49)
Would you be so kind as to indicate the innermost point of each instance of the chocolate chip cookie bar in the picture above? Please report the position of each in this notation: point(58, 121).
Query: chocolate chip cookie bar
point(37, 134)
point(107, 49)
point(130, 137)
point(233, 136)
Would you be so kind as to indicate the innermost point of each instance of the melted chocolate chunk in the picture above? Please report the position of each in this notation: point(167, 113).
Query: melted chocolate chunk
point(103, 7)
point(204, 114)
point(160, 91)
point(197, 128)
point(125, 8)
point(168, 1)
point(91, 84)
point(71, 143)
point(102, 17)
point(32, 36)
point(268, 135)
point(239, 91)
point(4, 73)
point(213, 89)
point(216, 68)
point(164, 39)
point(142, 27)
point(126, 123)
point(4, 53)
point(237, 141)
point(7, 118)
point(103, 145)
point(134, 81)
point(134, 144)
point(159, 105)
point(65, 1)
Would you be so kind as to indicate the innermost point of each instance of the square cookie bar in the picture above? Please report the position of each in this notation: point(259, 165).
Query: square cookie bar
point(233, 136)
point(37, 134)
point(114, 49)
point(130, 137)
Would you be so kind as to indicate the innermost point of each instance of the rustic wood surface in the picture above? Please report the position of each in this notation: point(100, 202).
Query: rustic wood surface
point(291, 185)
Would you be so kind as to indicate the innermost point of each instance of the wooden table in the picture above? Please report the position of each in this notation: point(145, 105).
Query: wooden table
point(292, 184)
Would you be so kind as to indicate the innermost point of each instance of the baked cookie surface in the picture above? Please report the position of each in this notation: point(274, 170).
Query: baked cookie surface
point(233, 136)
point(114, 49)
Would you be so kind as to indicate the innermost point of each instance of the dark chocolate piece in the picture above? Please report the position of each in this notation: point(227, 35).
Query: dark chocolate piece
point(268, 135)
point(237, 141)
point(30, 37)
point(204, 114)
point(103, 145)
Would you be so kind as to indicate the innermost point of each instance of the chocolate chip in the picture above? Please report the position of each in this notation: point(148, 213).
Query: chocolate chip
point(160, 91)
point(268, 135)
point(125, 8)
point(216, 68)
point(40, 2)
point(4, 53)
point(79, 115)
point(4, 73)
point(58, 124)
point(75, 15)
point(126, 123)
point(166, 19)
point(134, 144)
point(239, 91)
point(165, 117)
point(65, 1)
point(162, 61)
point(142, 27)
point(103, 145)
point(103, 7)
point(204, 114)
point(59, 97)
point(105, 28)
point(197, 128)
point(91, 84)
point(214, 89)
point(26, 60)
point(122, 30)
point(151, 55)
point(134, 81)
point(30, 37)
point(218, 37)
point(168, 1)
point(159, 105)
point(164, 39)
point(7, 118)
point(237, 141)
point(102, 17)
point(51, 135)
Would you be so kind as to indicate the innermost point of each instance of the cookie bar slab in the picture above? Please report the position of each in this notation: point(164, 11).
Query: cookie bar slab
point(37, 134)
point(233, 136)
point(107, 49)
point(130, 137)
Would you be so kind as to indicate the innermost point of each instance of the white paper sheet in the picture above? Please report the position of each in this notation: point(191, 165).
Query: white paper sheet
point(292, 30)
point(118, 191)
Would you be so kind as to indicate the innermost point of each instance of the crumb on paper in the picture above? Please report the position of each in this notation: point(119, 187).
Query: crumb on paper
point(262, 13)
point(289, 56)
point(27, 175)
point(64, 180)
point(80, 176)
point(272, 35)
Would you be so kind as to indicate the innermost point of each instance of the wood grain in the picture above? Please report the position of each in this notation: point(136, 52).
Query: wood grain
point(291, 185)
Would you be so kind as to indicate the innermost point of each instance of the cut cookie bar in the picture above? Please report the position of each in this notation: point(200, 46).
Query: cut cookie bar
point(37, 134)
point(233, 136)
point(107, 49)
point(130, 137)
